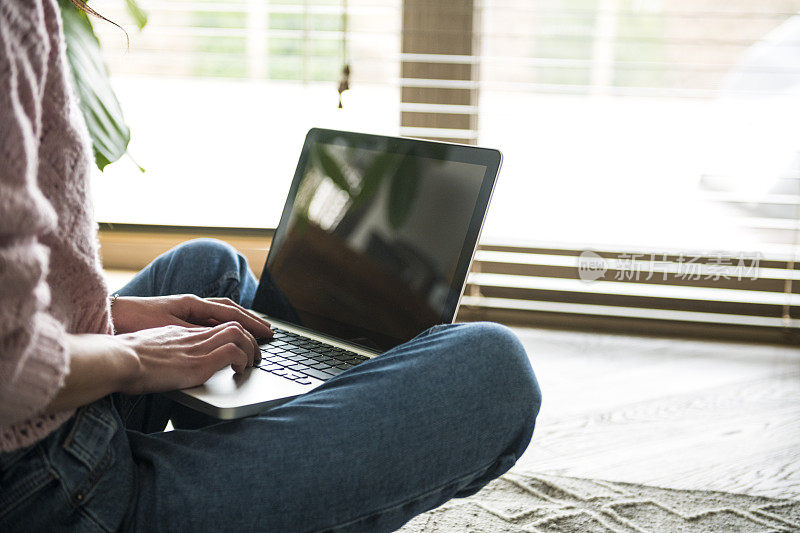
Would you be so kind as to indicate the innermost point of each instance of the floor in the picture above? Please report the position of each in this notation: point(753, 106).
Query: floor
point(667, 412)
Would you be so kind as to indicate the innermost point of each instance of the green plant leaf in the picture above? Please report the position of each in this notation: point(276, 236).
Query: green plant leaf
point(138, 15)
point(373, 177)
point(331, 168)
point(89, 77)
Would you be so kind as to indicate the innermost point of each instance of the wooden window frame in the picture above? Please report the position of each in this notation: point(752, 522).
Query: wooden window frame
point(133, 246)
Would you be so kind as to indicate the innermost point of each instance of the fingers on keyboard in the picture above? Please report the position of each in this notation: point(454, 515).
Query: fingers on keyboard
point(296, 358)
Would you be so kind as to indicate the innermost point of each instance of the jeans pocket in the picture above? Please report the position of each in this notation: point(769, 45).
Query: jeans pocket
point(77, 479)
point(89, 442)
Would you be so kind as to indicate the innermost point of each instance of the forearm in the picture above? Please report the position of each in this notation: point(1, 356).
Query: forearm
point(99, 365)
point(150, 360)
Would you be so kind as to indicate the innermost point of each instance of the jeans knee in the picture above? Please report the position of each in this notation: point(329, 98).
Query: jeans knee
point(493, 364)
point(479, 386)
point(492, 369)
point(205, 267)
point(217, 258)
point(509, 366)
point(207, 251)
point(490, 359)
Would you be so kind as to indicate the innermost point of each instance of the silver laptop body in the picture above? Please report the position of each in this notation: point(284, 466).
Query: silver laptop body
point(373, 247)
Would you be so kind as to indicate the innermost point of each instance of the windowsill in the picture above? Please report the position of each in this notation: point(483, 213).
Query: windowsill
point(132, 246)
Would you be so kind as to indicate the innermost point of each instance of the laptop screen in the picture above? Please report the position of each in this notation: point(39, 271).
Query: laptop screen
point(376, 236)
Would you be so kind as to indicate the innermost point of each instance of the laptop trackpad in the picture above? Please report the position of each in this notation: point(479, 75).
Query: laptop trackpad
point(233, 395)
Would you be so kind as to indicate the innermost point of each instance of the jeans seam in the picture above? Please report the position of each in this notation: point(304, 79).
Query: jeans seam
point(94, 477)
point(213, 287)
point(63, 487)
point(84, 512)
point(131, 409)
point(78, 449)
point(417, 497)
point(29, 486)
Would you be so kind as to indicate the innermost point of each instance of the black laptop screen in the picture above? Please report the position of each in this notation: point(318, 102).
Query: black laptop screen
point(376, 236)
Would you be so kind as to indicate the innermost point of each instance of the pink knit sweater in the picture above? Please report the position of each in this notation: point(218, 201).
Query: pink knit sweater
point(51, 283)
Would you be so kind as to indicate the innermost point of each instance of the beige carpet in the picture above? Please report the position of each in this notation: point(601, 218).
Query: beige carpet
point(538, 503)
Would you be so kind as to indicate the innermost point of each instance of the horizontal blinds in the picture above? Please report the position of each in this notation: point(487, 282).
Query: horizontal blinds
point(746, 290)
point(712, 50)
point(439, 70)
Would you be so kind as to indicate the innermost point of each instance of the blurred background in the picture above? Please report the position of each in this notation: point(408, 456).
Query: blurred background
point(661, 135)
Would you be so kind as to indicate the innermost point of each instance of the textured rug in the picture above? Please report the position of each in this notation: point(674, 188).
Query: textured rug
point(538, 503)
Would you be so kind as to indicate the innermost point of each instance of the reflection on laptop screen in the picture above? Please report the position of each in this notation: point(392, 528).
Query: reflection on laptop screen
point(370, 244)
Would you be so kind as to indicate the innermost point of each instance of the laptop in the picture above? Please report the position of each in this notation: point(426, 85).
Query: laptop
point(373, 247)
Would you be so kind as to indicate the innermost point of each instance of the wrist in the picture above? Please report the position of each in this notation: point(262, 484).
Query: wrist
point(112, 360)
point(128, 365)
point(99, 365)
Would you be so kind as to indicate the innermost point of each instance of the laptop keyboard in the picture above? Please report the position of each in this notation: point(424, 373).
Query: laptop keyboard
point(297, 358)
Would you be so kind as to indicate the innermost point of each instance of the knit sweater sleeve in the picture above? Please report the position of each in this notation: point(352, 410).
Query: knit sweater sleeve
point(33, 357)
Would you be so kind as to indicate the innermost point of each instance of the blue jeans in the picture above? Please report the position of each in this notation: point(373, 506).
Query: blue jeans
point(435, 418)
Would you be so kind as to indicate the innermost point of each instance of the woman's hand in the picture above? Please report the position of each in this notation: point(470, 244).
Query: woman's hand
point(151, 360)
point(176, 357)
point(131, 313)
